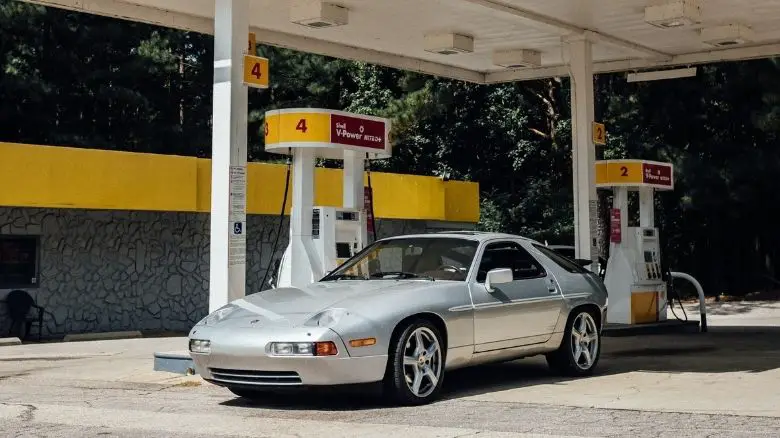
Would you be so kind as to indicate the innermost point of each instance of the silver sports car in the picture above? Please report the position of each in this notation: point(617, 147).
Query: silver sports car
point(403, 312)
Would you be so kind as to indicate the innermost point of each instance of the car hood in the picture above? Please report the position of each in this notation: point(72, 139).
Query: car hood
point(291, 306)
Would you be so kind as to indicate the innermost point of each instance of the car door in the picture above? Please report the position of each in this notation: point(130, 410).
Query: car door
point(521, 312)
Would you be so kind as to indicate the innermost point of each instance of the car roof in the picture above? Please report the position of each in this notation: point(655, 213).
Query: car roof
point(479, 236)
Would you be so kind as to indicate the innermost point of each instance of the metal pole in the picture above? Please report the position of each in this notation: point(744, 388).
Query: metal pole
point(702, 304)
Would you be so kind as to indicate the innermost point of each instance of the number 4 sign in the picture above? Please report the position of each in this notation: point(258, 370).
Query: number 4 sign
point(255, 71)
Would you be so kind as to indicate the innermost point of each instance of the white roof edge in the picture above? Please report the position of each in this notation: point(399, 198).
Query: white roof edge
point(155, 16)
point(176, 20)
point(627, 65)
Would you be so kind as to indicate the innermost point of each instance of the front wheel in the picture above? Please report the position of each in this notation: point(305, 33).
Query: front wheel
point(416, 365)
point(580, 349)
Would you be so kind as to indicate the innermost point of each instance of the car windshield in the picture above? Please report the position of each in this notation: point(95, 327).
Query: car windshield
point(431, 258)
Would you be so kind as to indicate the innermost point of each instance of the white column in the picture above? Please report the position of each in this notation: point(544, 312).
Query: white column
point(303, 255)
point(646, 208)
point(583, 149)
point(227, 279)
point(354, 165)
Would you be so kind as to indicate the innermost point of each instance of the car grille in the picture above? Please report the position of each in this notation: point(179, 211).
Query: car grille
point(252, 377)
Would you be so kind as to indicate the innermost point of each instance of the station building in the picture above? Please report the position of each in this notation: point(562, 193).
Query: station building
point(115, 241)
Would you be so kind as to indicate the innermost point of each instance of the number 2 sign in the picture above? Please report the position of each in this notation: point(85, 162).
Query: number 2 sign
point(599, 133)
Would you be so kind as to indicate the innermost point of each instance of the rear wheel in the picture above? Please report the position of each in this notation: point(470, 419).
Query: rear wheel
point(581, 346)
point(416, 365)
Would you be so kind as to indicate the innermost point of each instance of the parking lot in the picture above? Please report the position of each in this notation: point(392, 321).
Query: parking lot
point(725, 383)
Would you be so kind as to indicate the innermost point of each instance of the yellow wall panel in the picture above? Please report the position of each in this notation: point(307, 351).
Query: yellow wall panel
point(61, 177)
point(458, 196)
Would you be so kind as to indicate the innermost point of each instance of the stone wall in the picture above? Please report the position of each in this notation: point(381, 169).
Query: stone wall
point(149, 271)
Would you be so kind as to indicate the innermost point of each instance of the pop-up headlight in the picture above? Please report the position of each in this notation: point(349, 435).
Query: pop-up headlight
point(217, 315)
point(326, 318)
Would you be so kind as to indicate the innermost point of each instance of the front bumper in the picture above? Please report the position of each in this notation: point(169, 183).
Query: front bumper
point(239, 358)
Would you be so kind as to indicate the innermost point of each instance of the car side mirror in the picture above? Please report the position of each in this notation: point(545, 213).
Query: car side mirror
point(584, 262)
point(496, 277)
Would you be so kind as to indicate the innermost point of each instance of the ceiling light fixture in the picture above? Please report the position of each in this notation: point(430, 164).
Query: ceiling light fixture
point(674, 14)
point(658, 75)
point(517, 58)
point(727, 35)
point(448, 43)
point(318, 14)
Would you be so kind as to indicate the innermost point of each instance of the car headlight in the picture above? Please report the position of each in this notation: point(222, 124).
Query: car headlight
point(326, 318)
point(217, 315)
point(200, 346)
point(302, 349)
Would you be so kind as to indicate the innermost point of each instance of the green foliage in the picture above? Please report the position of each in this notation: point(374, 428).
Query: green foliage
point(87, 81)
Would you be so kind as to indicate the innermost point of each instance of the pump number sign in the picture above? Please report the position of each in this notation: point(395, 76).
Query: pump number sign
point(255, 71)
point(635, 173)
point(326, 129)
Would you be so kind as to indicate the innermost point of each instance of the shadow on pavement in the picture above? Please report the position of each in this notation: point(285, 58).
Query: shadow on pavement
point(722, 350)
point(725, 308)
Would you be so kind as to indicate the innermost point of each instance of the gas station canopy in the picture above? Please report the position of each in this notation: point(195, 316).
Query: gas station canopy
point(487, 41)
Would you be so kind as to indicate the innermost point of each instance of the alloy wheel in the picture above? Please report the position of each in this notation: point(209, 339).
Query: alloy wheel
point(422, 364)
point(584, 341)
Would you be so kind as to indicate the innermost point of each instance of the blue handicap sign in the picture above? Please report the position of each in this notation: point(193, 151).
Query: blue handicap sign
point(238, 228)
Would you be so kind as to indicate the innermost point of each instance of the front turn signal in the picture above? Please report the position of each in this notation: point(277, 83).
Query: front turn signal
point(365, 342)
point(325, 349)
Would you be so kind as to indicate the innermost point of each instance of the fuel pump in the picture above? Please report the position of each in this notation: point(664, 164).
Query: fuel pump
point(322, 237)
point(634, 278)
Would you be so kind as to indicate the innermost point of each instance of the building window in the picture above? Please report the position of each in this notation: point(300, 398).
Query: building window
point(18, 262)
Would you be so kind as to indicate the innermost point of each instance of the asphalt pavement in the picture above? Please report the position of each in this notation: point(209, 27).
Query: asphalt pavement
point(725, 383)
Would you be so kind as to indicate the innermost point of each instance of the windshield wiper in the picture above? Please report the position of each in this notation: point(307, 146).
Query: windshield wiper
point(400, 274)
point(343, 277)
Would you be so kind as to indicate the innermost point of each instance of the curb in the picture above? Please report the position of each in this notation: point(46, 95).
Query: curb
point(177, 362)
point(75, 337)
point(7, 342)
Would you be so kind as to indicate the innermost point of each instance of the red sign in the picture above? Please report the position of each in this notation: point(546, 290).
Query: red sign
point(354, 131)
point(657, 174)
point(368, 199)
point(615, 233)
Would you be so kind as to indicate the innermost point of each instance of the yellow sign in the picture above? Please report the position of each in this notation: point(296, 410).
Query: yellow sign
point(252, 50)
point(618, 172)
point(599, 133)
point(297, 127)
point(255, 71)
point(635, 173)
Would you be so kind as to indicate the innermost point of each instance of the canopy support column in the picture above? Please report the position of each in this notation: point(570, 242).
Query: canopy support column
point(583, 149)
point(227, 267)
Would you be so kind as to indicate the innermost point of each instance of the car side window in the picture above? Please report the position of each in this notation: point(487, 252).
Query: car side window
point(509, 255)
point(564, 262)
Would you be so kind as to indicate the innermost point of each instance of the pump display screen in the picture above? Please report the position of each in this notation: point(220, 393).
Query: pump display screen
point(342, 250)
point(346, 215)
point(648, 257)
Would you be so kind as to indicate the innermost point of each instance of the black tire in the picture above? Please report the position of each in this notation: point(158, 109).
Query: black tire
point(247, 393)
point(563, 361)
point(396, 387)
